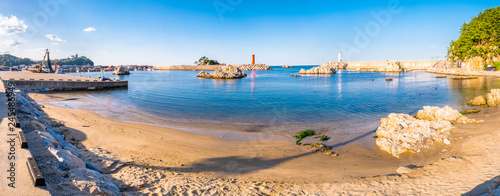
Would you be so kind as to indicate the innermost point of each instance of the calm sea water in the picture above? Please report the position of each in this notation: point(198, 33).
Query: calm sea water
point(347, 105)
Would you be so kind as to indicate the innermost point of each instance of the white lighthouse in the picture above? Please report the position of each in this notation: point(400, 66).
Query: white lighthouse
point(340, 56)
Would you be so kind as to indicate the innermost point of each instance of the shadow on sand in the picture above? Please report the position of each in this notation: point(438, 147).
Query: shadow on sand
point(231, 165)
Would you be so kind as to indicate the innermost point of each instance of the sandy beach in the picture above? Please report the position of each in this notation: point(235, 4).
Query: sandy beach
point(151, 159)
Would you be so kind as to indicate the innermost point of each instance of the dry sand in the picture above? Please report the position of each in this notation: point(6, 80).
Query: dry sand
point(150, 159)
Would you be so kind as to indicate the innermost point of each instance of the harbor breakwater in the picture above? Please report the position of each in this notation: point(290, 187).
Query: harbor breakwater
point(375, 65)
point(360, 65)
point(244, 67)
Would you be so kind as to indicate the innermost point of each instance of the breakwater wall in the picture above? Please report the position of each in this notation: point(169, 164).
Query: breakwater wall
point(188, 67)
point(244, 67)
point(375, 65)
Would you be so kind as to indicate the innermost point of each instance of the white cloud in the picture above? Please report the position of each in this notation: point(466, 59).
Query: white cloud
point(9, 43)
point(89, 29)
point(55, 38)
point(11, 25)
point(55, 44)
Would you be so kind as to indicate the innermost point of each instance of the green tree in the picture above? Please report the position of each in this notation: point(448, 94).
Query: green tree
point(82, 60)
point(8, 59)
point(206, 61)
point(480, 37)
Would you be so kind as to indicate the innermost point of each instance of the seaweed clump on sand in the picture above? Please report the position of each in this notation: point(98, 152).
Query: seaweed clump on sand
point(469, 112)
point(323, 138)
point(317, 146)
point(303, 134)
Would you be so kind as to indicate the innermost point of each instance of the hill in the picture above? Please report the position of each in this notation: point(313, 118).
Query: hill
point(8, 59)
point(479, 39)
point(75, 61)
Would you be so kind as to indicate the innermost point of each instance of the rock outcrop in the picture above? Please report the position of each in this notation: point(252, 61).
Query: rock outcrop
point(479, 100)
point(399, 133)
point(336, 65)
point(431, 113)
point(392, 67)
point(447, 113)
point(323, 149)
point(493, 98)
point(323, 69)
point(227, 72)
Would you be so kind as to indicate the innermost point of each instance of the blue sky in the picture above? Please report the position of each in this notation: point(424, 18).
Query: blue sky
point(174, 32)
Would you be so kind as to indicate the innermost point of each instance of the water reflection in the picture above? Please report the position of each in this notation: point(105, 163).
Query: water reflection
point(252, 85)
point(465, 90)
point(232, 84)
point(348, 102)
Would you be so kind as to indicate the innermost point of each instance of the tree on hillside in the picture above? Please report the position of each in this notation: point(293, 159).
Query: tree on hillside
point(478, 38)
point(8, 60)
point(75, 61)
point(205, 61)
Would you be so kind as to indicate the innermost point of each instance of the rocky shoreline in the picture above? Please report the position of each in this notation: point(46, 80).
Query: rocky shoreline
point(463, 72)
point(60, 159)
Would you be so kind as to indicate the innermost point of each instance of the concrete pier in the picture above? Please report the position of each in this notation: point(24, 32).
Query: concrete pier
point(57, 82)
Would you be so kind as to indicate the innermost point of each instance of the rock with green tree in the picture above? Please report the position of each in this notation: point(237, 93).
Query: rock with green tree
point(206, 61)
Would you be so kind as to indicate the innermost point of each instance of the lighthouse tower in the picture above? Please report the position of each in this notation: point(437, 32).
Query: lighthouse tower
point(340, 56)
point(253, 59)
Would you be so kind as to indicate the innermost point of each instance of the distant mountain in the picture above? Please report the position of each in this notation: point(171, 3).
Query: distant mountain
point(8, 59)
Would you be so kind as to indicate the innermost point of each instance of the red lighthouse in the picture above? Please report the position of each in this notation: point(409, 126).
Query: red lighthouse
point(253, 59)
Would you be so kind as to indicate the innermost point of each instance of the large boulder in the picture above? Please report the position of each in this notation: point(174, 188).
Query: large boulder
point(227, 72)
point(479, 100)
point(494, 187)
point(323, 69)
point(67, 160)
point(86, 181)
point(493, 98)
point(399, 133)
point(436, 113)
